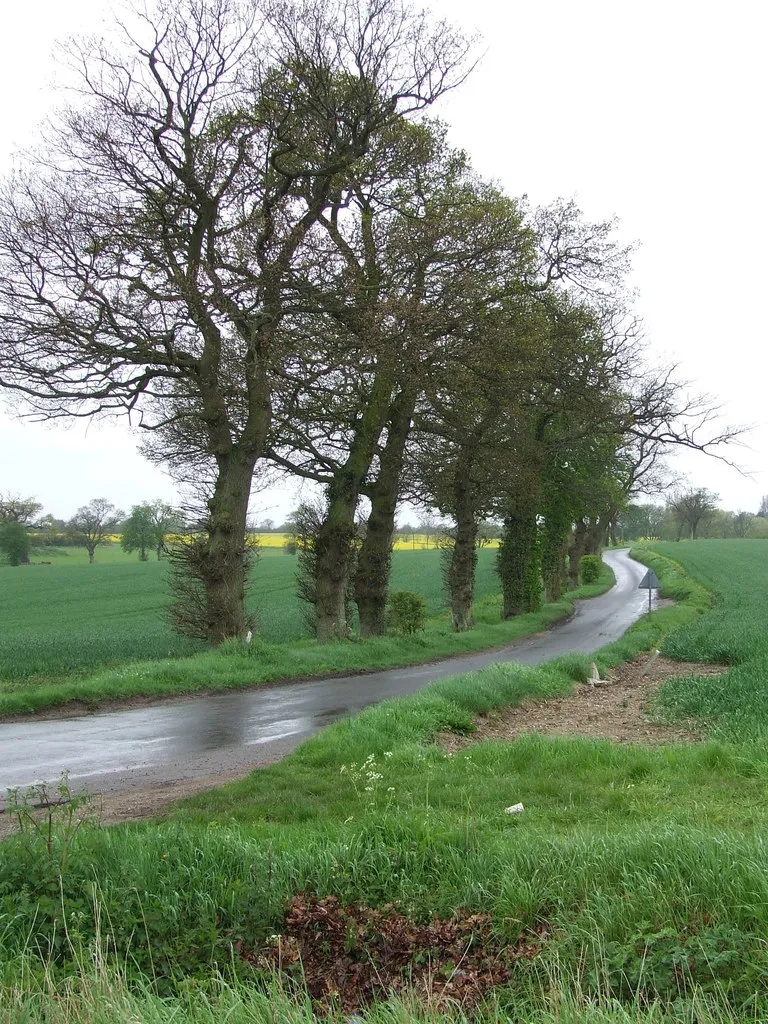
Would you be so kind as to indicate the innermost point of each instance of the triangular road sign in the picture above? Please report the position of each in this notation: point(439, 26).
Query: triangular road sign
point(649, 582)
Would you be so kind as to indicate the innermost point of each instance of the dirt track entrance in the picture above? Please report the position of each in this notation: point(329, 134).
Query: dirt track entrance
point(615, 708)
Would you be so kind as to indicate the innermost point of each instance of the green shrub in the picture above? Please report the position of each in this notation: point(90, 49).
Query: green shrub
point(14, 543)
point(407, 612)
point(591, 567)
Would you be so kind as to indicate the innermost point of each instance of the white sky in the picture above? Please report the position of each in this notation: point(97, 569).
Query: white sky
point(652, 111)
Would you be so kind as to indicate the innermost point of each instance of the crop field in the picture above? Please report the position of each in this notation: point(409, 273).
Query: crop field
point(635, 881)
point(70, 617)
point(402, 542)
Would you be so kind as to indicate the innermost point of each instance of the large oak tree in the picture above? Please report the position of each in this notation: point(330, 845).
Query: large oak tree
point(146, 247)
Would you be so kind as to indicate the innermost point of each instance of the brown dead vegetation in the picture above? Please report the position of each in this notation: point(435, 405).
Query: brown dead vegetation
point(350, 956)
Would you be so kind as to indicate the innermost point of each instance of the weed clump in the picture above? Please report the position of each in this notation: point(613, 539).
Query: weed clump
point(407, 612)
point(591, 567)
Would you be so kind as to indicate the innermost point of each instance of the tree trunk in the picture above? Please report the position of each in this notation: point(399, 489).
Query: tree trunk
point(553, 556)
point(463, 563)
point(518, 559)
point(554, 544)
point(334, 543)
point(223, 562)
point(597, 534)
point(374, 560)
point(578, 548)
point(612, 532)
point(591, 542)
point(334, 550)
point(91, 553)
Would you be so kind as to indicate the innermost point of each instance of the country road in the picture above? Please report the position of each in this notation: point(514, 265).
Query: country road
point(225, 735)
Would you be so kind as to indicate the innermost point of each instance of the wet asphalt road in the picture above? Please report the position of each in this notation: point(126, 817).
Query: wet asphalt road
point(234, 732)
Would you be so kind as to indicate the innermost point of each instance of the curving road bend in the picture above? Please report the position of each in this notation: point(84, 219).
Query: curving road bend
point(229, 734)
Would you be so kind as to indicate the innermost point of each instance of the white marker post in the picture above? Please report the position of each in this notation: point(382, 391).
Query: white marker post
point(649, 582)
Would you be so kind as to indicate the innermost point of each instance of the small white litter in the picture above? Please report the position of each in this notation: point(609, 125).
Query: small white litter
point(594, 674)
point(514, 809)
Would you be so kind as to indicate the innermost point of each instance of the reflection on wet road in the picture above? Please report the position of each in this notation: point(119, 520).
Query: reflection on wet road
point(230, 732)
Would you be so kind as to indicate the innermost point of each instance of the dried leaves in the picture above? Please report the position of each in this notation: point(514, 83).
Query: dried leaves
point(349, 956)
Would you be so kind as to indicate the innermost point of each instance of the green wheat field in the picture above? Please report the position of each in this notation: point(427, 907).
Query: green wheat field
point(71, 617)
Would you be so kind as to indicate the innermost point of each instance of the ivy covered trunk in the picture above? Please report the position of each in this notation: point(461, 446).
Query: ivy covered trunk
point(335, 539)
point(223, 558)
point(577, 549)
point(518, 560)
point(333, 559)
point(371, 583)
point(554, 550)
point(374, 560)
point(463, 564)
point(597, 532)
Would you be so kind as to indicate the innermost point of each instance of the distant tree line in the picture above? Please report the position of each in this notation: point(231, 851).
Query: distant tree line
point(146, 528)
point(689, 514)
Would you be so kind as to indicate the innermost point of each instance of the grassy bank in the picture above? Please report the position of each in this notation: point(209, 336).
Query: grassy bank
point(235, 665)
point(105, 998)
point(645, 868)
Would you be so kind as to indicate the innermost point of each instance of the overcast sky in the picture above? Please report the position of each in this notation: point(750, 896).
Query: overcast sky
point(652, 111)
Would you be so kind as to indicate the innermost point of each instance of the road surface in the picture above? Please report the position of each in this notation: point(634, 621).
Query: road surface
point(230, 733)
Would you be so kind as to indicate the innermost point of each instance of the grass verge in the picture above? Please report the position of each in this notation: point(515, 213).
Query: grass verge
point(235, 665)
point(102, 997)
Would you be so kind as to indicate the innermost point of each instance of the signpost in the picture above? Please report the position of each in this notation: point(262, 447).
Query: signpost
point(649, 582)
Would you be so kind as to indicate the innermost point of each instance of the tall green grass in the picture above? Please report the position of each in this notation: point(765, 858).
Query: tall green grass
point(97, 996)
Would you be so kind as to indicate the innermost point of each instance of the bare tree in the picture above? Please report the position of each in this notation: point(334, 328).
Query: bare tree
point(15, 509)
point(691, 507)
point(145, 251)
point(90, 526)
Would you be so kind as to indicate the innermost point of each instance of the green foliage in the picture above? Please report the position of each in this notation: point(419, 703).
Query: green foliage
point(518, 563)
point(49, 818)
point(590, 568)
point(406, 612)
point(14, 542)
point(15, 509)
point(148, 526)
point(674, 963)
point(138, 532)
